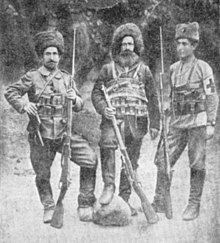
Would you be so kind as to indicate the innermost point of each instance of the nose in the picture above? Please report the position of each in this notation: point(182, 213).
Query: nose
point(51, 57)
point(179, 47)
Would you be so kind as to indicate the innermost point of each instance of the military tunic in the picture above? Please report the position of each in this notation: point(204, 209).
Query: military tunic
point(48, 90)
point(135, 127)
point(132, 119)
point(193, 106)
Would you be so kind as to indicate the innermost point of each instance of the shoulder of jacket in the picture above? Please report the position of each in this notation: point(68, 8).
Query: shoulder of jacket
point(29, 74)
point(203, 64)
point(64, 71)
point(174, 65)
point(107, 68)
point(144, 68)
point(31, 71)
point(144, 65)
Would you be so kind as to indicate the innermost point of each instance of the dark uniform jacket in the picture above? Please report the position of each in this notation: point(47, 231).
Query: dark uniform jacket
point(145, 78)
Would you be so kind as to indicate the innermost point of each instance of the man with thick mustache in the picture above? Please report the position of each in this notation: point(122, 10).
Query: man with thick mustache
point(193, 110)
point(48, 90)
point(133, 95)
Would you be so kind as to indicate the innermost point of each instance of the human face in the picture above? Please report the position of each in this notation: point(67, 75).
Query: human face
point(185, 48)
point(51, 58)
point(127, 44)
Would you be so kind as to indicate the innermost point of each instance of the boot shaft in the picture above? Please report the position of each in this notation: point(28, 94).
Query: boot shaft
point(197, 179)
point(108, 165)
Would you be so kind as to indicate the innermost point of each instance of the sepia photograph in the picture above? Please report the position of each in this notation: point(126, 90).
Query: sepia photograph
point(109, 121)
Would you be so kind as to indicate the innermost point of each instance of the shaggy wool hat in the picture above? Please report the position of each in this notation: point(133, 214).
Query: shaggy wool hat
point(189, 31)
point(46, 39)
point(128, 29)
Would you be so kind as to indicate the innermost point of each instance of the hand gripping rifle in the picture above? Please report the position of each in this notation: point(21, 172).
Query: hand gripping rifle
point(168, 171)
point(57, 219)
point(149, 212)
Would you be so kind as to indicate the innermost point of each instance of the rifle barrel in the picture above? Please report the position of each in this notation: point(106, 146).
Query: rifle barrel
point(149, 212)
point(168, 203)
point(74, 52)
point(161, 49)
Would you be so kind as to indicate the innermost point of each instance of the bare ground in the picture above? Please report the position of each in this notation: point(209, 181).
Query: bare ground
point(21, 211)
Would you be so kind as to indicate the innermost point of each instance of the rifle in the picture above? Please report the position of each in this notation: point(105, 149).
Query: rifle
point(36, 126)
point(149, 212)
point(168, 171)
point(37, 130)
point(57, 219)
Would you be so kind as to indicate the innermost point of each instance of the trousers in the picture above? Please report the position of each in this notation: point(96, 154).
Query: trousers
point(82, 154)
point(108, 142)
point(177, 140)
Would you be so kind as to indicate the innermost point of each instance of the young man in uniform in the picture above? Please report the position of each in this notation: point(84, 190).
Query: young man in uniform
point(48, 90)
point(133, 95)
point(193, 113)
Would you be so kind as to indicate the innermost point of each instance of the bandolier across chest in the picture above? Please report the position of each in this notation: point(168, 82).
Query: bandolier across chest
point(53, 105)
point(188, 98)
point(127, 94)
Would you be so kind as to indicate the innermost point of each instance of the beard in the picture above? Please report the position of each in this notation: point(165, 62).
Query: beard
point(51, 65)
point(127, 58)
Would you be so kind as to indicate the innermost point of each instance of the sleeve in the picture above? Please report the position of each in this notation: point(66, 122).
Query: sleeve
point(97, 96)
point(153, 103)
point(211, 94)
point(14, 93)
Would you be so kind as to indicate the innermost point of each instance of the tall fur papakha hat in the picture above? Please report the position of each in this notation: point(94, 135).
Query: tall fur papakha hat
point(189, 31)
point(128, 29)
point(45, 39)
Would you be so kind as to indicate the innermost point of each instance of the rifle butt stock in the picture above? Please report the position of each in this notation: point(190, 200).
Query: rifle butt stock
point(168, 201)
point(149, 212)
point(168, 206)
point(58, 215)
point(57, 219)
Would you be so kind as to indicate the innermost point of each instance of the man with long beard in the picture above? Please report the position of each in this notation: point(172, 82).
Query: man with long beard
point(133, 95)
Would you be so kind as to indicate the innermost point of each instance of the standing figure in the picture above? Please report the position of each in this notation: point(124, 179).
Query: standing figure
point(193, 111)
point(48, 89)
point(133, 95)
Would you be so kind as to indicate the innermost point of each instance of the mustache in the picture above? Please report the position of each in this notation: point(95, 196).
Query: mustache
point(126, 52)
point(51, 61)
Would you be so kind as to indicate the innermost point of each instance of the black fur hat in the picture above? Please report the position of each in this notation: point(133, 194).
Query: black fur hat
point(128, 29)
point(46, 39)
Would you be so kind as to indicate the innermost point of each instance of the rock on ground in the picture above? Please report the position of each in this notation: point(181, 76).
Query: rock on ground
point(117, 213)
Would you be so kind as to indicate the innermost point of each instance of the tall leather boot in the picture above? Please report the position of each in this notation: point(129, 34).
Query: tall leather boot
point(125, 191)
point(197, 178)
point(44, 190)
point(108, 175)
point(86, 198)
point(46, 197)
point(158, 203)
